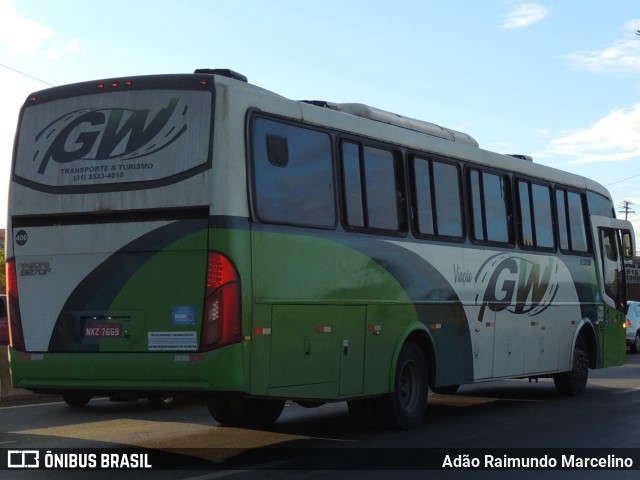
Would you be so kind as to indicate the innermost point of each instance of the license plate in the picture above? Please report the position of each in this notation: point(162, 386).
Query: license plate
point(102, 330)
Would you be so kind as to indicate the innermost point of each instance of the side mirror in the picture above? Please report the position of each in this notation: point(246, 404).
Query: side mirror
point(628, 249)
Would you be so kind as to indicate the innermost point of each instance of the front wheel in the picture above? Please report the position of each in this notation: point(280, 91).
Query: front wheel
point(573, 382)
point(406, 406)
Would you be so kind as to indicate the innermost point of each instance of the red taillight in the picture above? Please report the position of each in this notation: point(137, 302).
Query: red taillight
point(16, 337)
point(221, 322)
point(627, 323)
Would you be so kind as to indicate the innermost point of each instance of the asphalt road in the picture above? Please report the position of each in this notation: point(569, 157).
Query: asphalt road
point(497, 418)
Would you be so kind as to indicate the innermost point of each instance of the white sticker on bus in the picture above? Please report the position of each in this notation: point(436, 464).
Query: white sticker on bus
point(171, 341)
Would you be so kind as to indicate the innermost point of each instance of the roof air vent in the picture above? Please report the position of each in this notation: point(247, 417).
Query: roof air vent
point(528, 158)
point(225, 72)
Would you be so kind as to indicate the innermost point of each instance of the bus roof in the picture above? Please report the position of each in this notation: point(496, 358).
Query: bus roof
point(373, 122)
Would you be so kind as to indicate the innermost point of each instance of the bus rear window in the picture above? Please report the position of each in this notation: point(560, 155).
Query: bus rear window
point(114, 138)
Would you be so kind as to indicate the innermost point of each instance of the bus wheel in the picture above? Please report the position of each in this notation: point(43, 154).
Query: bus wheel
point(220, 410)
point(240, 411)
point(573, 382)
point(406, 406)
point(76, 399)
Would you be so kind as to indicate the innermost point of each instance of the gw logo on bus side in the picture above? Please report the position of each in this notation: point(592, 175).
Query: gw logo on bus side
point(109, 133)
point(517, 285)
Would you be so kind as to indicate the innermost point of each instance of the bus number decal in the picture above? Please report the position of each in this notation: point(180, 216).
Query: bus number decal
point(21, 238)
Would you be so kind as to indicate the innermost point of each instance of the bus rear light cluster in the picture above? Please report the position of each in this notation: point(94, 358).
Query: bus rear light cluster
point(222, 320)
point(102, 86)
point(16, 336)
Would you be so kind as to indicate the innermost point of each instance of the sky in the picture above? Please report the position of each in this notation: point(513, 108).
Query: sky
point(557, 80)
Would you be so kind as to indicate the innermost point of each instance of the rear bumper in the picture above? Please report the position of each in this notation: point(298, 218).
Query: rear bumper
point(220, 370)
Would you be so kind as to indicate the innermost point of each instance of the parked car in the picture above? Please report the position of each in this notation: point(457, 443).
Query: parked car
point(633, 326)
point(4, 321)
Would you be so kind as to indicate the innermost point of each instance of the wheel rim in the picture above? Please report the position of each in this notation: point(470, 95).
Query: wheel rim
point(581, 369)
point(409, 387)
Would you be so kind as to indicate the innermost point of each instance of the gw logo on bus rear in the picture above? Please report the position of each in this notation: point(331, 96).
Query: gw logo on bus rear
point(109, 134)
point(516, 284)
point(34, 268)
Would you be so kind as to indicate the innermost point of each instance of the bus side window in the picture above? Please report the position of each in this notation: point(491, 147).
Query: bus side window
point(436, 198)
point(572, 228)
point(577, 222)
point(611, 267)
point(292, 175)
point(489, 207)
point(372, 192)
point(536, 215)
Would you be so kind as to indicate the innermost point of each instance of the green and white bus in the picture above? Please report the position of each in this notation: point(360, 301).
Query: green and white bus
point(196, 233)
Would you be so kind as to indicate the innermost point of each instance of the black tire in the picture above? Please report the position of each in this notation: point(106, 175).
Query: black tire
point(220, 410)
point(406, 406)
point(162, 402)
point(573, 382)
point(240, 411)
point(635, 347)
point(76, 399)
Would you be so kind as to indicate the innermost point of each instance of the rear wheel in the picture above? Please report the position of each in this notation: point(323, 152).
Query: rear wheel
point(234, 410)
point(573, 382)
point(406, 406)
point(76, 399)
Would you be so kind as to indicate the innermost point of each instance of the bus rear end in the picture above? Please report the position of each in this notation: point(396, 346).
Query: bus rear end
point(114, 284)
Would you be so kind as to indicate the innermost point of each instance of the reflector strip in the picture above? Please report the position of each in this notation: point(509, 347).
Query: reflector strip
point(262, 331)
point(188, 358)
point(323, 329)
point(25, 357)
